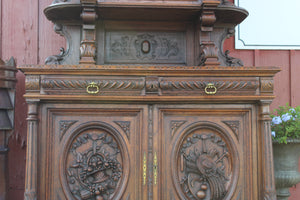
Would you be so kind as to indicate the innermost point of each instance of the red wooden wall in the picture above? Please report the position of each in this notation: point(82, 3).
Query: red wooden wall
point(28, 36)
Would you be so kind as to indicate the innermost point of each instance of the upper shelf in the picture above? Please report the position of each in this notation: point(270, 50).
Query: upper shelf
point(70, 11)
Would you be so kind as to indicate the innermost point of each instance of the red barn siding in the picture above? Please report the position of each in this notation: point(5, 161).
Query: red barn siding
point(27, 35)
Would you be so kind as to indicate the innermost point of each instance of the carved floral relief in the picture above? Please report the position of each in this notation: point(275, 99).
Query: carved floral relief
point(144, 47)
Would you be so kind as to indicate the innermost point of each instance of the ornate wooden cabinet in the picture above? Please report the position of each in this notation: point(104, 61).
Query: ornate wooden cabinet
point(144, 104)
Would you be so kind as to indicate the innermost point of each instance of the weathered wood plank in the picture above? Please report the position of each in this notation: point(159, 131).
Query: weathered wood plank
point(49, 41)
point(19, 39)
point(295, 71)
point(282, 79)
point(20, 30)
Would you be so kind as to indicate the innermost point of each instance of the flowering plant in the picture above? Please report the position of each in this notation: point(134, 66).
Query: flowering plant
point(285, 123)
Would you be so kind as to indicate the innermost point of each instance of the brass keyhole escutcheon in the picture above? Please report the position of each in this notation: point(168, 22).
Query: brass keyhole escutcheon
point(210, 89)
point(144, 169)
point(92, 88)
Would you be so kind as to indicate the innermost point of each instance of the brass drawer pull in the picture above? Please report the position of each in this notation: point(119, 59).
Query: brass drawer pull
point(210, 89)
point(92, 88)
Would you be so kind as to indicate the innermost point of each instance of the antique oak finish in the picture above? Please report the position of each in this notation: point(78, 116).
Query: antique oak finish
point(144, 104)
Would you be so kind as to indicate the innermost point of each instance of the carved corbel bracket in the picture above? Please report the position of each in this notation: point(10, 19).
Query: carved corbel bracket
point(208, 49)
point(88, 42)
point(208, 19)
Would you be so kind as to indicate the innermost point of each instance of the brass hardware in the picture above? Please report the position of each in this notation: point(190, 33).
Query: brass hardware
point(155, 167)
point(210, 89)
point(92, 88)
point(145, 168)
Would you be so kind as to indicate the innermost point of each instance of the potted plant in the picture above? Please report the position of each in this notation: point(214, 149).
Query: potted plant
point(285, 127)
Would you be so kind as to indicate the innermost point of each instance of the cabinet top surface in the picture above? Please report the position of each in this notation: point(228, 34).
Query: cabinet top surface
point(146, 10)
point(144, 70)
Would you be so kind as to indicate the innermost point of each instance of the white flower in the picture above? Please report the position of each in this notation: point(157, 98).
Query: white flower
point(286, 117)
point(273, 133)
point(276, 120)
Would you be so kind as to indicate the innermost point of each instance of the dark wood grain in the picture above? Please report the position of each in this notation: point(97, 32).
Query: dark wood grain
point(166, 113)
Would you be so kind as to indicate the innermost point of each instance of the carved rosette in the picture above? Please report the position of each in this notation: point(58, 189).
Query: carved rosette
point(94, 165)
point(205, 166)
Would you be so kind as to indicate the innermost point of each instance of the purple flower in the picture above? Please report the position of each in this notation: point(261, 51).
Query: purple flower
point(292, 110)
point(286, 117)
point(273, 133)
point(276, 120)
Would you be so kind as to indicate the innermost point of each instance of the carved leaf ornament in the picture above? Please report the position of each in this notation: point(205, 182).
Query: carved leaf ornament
point(94, 166)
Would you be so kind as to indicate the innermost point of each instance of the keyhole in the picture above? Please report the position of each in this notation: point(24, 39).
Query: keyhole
point(145, 46)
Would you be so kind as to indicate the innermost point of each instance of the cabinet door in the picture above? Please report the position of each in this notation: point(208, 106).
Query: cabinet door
point(205, 152)
point(93, 152)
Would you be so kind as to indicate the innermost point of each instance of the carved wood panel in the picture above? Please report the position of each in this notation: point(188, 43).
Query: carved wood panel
point(145, 47)
point(92, 150)
point(202, 156)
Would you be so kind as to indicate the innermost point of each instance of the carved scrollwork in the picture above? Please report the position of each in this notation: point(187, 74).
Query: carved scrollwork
point(94, 166)
point(64, 125)
point(205, 166)
point(224, 56)
point(231, 61)
point(175, 124)
point(157, 47)
point(230, 85)
point(102, 84)
point(121, 47)
point(125, 126)
point(56, 59)
point(234, 125)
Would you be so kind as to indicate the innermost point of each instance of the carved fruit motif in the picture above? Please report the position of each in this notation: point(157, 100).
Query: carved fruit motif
point(206, 167)
point(94, 166)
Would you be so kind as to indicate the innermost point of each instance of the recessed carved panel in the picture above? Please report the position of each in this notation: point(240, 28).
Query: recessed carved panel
point(205, 166)
point(145, 47)
point(94, 165)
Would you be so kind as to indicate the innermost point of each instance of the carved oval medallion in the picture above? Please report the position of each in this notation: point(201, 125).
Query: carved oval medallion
point(205, 166)
point(94, 167)
point(145, 46)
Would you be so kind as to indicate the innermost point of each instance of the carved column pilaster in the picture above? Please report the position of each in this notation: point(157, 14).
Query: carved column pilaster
point(267, 168)
point(31, 153)
point(88, 42)
point(208, 49)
